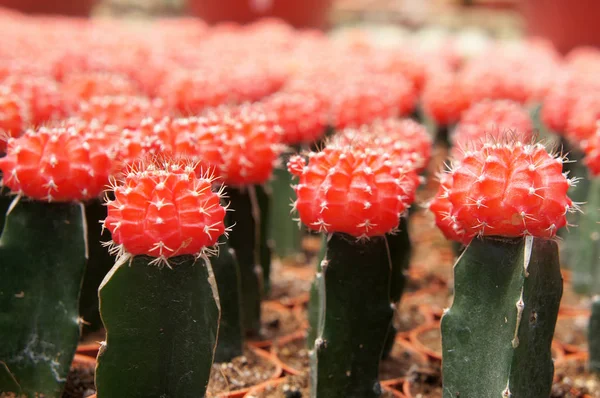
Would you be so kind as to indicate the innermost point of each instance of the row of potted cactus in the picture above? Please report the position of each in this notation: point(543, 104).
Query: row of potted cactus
point(180, 185)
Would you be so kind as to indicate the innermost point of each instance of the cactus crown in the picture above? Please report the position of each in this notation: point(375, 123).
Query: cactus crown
point(351, 189)
point(59, 164)
point(161, 208)
point(591, 147)
point(492, 120)
point(241, 143)
point(301, 115)
point(506, 189)
point(14, 116)
point(443, 99)
point(125, 111)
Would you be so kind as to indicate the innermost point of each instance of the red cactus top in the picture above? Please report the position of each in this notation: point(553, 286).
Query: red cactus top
point(60, 164)
point(190, 92)
point(441, 207)
point(405, 140)
point(493, 120)
point(302, 115)
point(14, 116)
point(584, 117)
point(42, 95)
point(242, 144)
point(122, 110)
point(163, 209)
point(366, 97)
point(443, 99)
point(78, 87)
point(591, 148)
point(510, 189)
point(562, 97)
point(354, 190)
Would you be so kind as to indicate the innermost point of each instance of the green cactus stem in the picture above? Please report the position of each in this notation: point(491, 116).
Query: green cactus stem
point(584, 246)
point(244, 238)
point(99, 263)
point(5, 201)
point(285, 233)
point(43, 251)
point(227, 274)
point(161, 328)
point(263, 197)
point(355, 316)
point(594, 336)
point(314, 306)
point(496, 337)
point(400, 253)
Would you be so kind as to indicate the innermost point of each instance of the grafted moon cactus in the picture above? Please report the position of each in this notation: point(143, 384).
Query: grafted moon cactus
point(159, 303)
point(44, 252)
point(508, 200)
point(356, 195)
point(242, 144)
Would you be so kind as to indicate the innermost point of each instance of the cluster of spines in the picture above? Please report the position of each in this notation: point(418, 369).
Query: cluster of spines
point(462, 228)
point(155, 171)
point(371, 169)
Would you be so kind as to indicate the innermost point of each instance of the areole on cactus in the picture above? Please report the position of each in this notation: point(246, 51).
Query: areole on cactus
point(507, 198)
point(161, 293)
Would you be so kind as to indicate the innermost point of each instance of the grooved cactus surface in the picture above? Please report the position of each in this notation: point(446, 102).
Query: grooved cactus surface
point(314, 306)
point(584, 249)
point(400, 250)
point(594, 336)
point(285, 232)
point(42, 262)
point(496, 337)
point(227, 274)
point(161, 329)
point(99, 263)
point(355, 316)
point(245, 240)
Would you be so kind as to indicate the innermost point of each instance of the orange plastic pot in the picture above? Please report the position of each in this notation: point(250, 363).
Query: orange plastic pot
point(300, 14)
point(566, 23)
point(231, 394)
point(71, 8)
point(415, 337)
point(255, 391)
point(89, 350)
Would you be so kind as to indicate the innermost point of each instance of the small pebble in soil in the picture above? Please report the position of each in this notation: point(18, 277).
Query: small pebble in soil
point(291, 391)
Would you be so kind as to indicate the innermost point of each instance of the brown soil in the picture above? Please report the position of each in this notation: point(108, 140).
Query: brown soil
point(432, 339)
point(400, 362)
point(80, 382)
point(437, 301)
point(294, 354)
point(572, 300)
point(286, 286)
point(408, 317)
point(277, 321)
point(426, 382)
point(295, 387)
point(574, 381)
point(242, 372)
point(572, 330)
point(414, 284)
